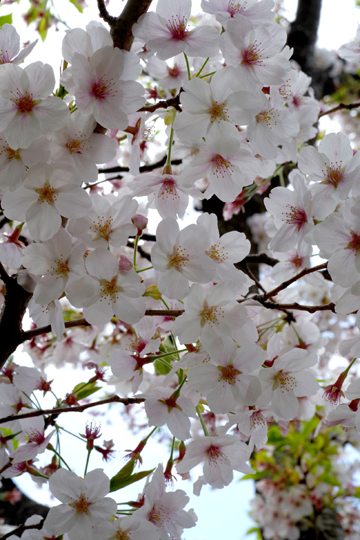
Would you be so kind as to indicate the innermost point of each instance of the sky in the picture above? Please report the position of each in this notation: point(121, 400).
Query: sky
point(220, 512)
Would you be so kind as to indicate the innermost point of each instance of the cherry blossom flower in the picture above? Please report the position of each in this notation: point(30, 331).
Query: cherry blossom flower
point(105, 223)
point(78, 145)
point(221, 455)
point(106, 292)
point(292, 211)
point(48, 193)
point(258, 12)
point(227, 380)
point(57, 262)
point(100, 90)
point(165, 32)
point(50, 313)
point(33, 428)
point(213, 311)
point(351, 51)
point(333, 168)
point(83, 503)
point(14, 162)
point(215, 108)
point(255, 52)
point(287, 380)
point(226, 251)
point(165, 509)
point(162, 407)
point(180, 257)
point(227, 172)
point(10, 46)
point(172, 74)
point(126, 528)
point(165, 192)
point(26, 110)
point(86, 42)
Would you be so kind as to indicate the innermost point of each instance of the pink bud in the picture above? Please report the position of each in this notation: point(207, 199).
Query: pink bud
point(140, 222)
point(124, 264)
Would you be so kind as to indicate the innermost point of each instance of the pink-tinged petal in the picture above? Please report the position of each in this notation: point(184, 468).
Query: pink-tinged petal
point(16, 203)
point(311, 162)
point(52, 114)
point(97, 484)
point(65, 485)
point(179, 425)
point(306, 384)
point(203, 41)
point(22, 130)
point(131, 96)
point(41, 79)
point(102, 264)
point(130, 310)
point(83, 292)
point(109, 115)
point(7, 113)
point(221, 399)
point(341, 267)
point(103, 148)
point(43, 221)
point(73, 204)
point(173, 284)
point(101, 312)
point(284, 404)
point(336, 146)
point(78, 41)
point(60, 519)
point(150, 26)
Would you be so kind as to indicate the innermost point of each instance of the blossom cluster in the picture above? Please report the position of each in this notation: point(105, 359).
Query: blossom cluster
point(174, 315)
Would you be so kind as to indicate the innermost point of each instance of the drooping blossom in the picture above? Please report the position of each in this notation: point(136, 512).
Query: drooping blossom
point(83, 503)
point(257, 12)
point(166, 31)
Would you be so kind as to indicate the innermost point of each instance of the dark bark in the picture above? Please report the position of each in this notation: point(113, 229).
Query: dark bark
point(14, 514)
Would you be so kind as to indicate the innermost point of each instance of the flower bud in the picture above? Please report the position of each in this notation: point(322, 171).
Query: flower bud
point(140, 222)
point(124, 264)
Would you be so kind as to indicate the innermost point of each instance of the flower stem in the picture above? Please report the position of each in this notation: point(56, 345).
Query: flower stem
point(187, 66)
point(87, 462)
point(206, 433)
point(168, 161)
point(202, 67)
point(61, 458)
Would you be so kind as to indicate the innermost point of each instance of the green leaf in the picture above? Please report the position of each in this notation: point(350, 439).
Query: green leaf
point(6, 19)
point(309, 427)
point(252, 530)
point(257, 476)
point(42, 28)
point(116, 484)
point(83, 390)
point(123, 475)
point(78, 7)
point(161, 368)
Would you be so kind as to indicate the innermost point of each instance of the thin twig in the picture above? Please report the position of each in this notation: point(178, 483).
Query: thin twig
point(30, 334)
point(143, 168)
point(286, 284)
point(348, 107)
point(76, 408)
point(104, 14)
point(21, 528)
point(164, 104)
point(295, 305)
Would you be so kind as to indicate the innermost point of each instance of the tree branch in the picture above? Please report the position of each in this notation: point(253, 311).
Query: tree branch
point(15, 303)
point(19, 530)
point(164, 104)
point(295, 305)
point(76, 408)
point(341, 106)
point(104, 14)
point(286, 284)
point(143, 168)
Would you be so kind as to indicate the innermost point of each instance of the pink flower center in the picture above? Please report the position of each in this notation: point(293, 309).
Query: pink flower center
point(267, 118)
point(296, 260)
point(214, 454)
point(296, 216)
point(284, 381)
point(81, 505)
point(257, 420)
point(168, 190)
point(354, 243)
point(217, 254)
point(334, 176)
point(236, 7)
point(36, 437)
point(10, 153)
point(25, 104)
point(102, 89)
point(218, 112)
point(211, 315)
point(228, 374)
point(179, 257)
point(122, 535)
point(47, 194)
point(221, 166)
point(109, 290)
point(102, 228)
point(174, 71)
point(177, 27)
point(251, 55)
